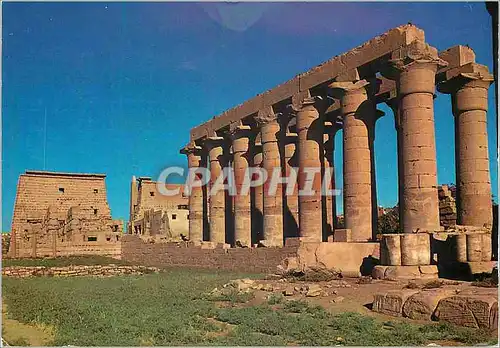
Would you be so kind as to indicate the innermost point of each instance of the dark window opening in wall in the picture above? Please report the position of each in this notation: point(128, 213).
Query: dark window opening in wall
point(117, 238)
point(95, 211)
point(152, 194)
point(61, 189)
point(92, 239)
point(108, 239)
point(182, 206)
point(174, 216)
point(96, 191)
point(188, 216)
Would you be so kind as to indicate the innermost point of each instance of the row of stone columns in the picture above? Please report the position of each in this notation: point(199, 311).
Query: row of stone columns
point(312, 146)
point(274, 215)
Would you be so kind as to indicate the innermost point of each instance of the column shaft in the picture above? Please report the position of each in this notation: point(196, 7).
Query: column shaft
point(257, 198)
point(470, 104)
point(195, 203)
point(371, 137)
point(273, 203)
point(242, 216)
point(416, 111)
point(330, 200)
point(393, 104)
point(358, 112)
point(310, 143)
point(216, 199)
point(292, 200)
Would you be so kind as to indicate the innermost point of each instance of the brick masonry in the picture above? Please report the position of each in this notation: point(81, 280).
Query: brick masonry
point(155, 215)
point(447, 206)
point(258, 260)
point(63, 214)
point(76, 271)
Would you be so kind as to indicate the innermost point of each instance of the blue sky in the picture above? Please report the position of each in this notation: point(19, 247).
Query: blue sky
point(121, 84)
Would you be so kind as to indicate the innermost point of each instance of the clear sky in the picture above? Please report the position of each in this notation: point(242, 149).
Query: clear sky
point(121, 84)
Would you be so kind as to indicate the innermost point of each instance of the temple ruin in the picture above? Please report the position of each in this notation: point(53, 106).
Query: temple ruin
point(59, 214)
point(443, 231)
point(293, 125)
point(156, 216)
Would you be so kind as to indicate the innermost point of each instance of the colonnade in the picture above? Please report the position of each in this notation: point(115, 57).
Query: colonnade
point(268, 139)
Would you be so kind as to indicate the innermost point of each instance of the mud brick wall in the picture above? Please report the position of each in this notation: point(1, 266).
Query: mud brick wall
point(45, 201)
point(104, 248)
point(259, 260)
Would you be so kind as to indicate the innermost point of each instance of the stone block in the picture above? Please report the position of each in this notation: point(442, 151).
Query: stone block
point(390, 249)
point(292, 242)
point(349, 259)
point(379, 272)
point(481, 267)
point(208, 245)
point(342, 235)
point(422, 305)
point(476, 311)
point(405, 272)
point(428, 269)
point(402, 272)
point(391, 302)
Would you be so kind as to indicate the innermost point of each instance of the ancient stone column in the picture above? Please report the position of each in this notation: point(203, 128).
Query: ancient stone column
point(257, 195)
point(216, 198)
point(371, 137)
point(393, 104)
point(291, 200)
point(193, 153)
point(273, 202)
point(310, 147)
point(469, 94)
point(415, 81)
point(242, 211)
point(330, 200)
point(227, 162)
point(358, 114)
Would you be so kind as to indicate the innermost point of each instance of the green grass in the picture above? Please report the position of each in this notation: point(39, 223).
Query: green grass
point(172, 308)
point(64, 261)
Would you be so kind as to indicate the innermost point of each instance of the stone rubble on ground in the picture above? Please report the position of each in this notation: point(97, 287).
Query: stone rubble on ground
point(476, 308)
point(314, 291)
point(76, 271)
point(337, 299)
